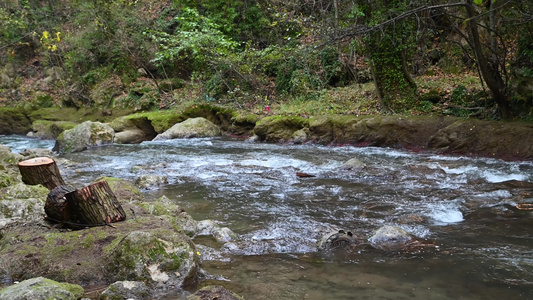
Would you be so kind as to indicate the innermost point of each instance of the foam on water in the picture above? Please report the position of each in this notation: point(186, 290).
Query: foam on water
point(443, 214)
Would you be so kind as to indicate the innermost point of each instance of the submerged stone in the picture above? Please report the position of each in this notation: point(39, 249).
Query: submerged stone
point(214, 292)
point(390, 238)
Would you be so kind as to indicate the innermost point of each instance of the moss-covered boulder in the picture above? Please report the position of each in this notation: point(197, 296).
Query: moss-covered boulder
point(22, 202)
point(174, 213)
point(244, 124)
point(9, 174)
point(144, 248)
point(18, 201)
point(160, 120)
point(159, 257)
point(85, 135)
point(190, 128)
point(279, 128)
point(50, 129)
point(222, 117)
point(133, 129)
point(14, 121)
point(41, 289)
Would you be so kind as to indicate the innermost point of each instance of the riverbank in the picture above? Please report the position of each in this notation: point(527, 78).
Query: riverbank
point(509, 140)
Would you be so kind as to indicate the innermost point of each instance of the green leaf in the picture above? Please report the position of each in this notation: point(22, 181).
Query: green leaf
point(478, 2)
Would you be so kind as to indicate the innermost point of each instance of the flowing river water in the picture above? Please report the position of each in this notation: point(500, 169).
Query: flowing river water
point(467, 207)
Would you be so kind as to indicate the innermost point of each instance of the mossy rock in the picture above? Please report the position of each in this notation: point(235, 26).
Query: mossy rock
point(51, 129)
point(14, 121)
point(133, 129)
point(125, 191)
point(244, 124)
point(160, 120)
point(85, 135)
point(141, 248)
point(42, 289)
point(161, 257)
point(279, 128)
point(76, 115)
point(191, 128)
point(220, 116)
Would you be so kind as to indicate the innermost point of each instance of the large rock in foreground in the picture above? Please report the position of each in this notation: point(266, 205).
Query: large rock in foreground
point(190, 128)
point(41, 289)
point(87, 134)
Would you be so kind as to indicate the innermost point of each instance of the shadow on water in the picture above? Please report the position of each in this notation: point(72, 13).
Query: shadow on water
point(467, 206)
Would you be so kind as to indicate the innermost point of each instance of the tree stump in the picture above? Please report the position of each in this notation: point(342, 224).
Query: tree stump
point(93, 205)
point(56, 203)
point(40, 170)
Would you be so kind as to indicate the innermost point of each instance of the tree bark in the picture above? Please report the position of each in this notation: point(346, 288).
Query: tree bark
point(40, 170)
point(56, 203)
point(491, 76)
point(93, 205)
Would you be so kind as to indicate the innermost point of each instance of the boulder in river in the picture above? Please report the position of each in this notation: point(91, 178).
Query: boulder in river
point(190, 128)
point(353, 164)
point(133, 129)
point(391, 238)
point(45, 129)
point(337, 239)
point(85, 135)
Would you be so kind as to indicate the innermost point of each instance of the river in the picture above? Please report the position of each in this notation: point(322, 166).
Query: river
point(466, 207)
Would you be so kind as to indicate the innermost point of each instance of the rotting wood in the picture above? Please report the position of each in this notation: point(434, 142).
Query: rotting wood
point(40, 170)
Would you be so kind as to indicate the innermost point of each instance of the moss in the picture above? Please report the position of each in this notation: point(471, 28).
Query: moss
point(51, 129)
point(279, 128)
point(161, 120)
point(75, 115)
point(14, 121)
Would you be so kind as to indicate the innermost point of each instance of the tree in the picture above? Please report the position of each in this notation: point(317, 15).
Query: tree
point(487, 32)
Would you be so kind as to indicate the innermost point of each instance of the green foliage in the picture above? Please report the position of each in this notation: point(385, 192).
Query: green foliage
point(197, 42)
point(302, 71)
point(459, 95)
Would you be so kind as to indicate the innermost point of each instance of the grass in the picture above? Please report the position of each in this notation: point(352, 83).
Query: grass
point(354, 99)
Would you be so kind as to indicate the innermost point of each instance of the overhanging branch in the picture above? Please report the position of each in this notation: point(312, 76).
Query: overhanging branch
point(362, 29)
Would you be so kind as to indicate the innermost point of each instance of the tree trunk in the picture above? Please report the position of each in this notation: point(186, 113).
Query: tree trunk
point(491, 76)
point(93, 205)
point(40, 170)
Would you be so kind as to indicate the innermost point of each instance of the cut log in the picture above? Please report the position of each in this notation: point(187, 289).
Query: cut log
point(93, 205)
point(56, 203)
point(40, 170)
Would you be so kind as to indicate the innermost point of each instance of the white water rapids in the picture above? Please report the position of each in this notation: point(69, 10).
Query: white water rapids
point(467, 206)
